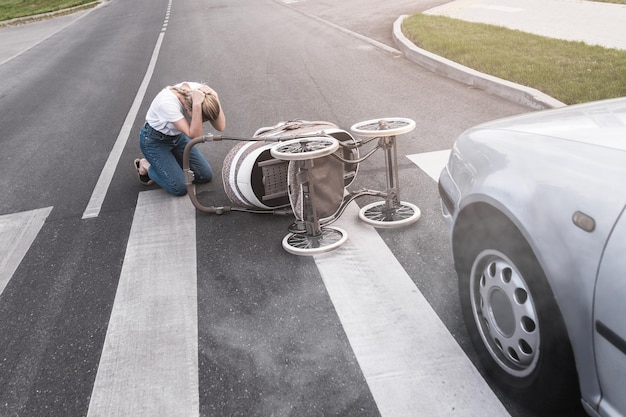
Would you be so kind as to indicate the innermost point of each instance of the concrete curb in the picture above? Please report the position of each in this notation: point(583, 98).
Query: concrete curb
point(511, 91)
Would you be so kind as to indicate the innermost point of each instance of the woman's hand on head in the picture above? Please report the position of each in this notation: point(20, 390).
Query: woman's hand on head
point(197, 97)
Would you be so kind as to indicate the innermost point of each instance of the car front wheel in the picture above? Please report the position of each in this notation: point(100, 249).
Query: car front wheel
point(512, 317)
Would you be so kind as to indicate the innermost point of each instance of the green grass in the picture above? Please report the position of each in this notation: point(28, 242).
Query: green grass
point(11, 9)
point(571, 72)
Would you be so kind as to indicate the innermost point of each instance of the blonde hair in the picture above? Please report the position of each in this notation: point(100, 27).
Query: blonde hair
point(210, 104)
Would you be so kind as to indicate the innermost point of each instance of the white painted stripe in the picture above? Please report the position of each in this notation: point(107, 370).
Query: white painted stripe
point(412, 364)
point(102, 186)
point(431, 162)
point(17, 233)
point(149, 362)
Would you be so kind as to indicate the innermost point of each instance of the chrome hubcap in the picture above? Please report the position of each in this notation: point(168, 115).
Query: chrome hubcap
point(505, 313)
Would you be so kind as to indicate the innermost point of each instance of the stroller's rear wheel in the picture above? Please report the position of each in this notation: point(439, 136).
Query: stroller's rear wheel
point(378, 215)
point(303, 244)
point(305, 148)
point(390, 126)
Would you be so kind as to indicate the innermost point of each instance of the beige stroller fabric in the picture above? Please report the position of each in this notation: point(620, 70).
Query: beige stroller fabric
point(324, 180)
point(252, 178)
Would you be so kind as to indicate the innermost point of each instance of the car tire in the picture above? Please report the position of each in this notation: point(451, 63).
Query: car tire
point(513, 319)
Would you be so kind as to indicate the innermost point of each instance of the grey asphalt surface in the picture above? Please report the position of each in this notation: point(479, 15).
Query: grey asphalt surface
point(38, 33)
point(19, 38)
point(595, 23)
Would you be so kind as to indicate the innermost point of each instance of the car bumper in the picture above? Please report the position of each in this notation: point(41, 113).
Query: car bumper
point(449, 194)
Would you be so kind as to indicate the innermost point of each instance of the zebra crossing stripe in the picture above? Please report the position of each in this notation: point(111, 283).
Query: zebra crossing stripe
point(412, 364)
point(149, 362)
point(17, 233)
point(431, 162)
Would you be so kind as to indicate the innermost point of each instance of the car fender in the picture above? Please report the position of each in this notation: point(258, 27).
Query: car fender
point(546, 219)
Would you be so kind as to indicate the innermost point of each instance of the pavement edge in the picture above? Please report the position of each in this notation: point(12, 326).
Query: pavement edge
point(50, 15)
point(515, 92)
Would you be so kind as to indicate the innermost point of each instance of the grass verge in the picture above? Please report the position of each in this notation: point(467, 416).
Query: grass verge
point(571, 72)
point(12, 9)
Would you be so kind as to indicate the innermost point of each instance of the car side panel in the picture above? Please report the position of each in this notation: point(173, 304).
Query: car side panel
point(540, 183)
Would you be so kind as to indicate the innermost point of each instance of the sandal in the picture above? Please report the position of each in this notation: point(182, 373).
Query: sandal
point(144, 179)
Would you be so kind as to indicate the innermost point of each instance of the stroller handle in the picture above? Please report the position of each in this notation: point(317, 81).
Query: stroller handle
point(189, 176)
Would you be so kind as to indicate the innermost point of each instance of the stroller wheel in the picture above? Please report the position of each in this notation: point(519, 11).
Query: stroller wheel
point(377, 215)
point(305, 245)
point(305, 148)
point(383, 127)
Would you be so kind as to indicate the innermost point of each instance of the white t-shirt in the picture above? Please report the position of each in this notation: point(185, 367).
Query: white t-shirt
point(166, 109)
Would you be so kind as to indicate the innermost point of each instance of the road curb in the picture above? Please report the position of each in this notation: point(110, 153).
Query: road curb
point(511, 91)
point(49, 15)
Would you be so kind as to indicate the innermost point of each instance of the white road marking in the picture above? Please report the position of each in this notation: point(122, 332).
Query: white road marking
point(102, 186)
point(412, 364)
point(149, 362)
point(17, 233)
point(431, 162)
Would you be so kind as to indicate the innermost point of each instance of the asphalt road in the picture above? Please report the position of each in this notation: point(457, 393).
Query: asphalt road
point(146, 303)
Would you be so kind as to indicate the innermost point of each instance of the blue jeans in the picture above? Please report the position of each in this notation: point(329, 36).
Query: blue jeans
point(165, 154)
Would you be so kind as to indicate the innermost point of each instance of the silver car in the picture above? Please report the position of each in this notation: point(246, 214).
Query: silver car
point(538, 231)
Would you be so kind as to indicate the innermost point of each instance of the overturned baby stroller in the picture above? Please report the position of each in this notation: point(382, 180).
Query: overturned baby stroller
point(303, 168)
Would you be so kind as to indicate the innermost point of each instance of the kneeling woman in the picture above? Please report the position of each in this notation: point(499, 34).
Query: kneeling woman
point(175, 115)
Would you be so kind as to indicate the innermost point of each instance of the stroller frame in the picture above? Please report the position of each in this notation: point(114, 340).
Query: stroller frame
point(312, 233)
